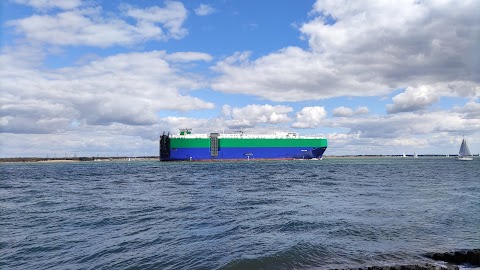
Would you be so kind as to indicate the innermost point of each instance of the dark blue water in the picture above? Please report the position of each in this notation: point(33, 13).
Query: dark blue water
point(333, 213)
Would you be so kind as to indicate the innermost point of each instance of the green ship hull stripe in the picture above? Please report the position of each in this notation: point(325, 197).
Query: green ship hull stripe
point(224, 142)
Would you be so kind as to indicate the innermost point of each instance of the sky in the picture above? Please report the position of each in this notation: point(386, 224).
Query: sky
point(107, 78)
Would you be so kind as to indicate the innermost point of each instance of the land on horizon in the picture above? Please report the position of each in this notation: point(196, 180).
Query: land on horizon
point(145, 158)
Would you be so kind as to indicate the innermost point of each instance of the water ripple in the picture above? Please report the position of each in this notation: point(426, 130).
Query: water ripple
point(235, 215)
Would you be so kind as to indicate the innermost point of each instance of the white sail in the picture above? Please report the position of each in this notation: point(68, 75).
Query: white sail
point(464, 153)
point(464, 150)
point(415, 155)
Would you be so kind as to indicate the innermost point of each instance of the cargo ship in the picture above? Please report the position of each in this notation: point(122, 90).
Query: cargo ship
point(239, 146)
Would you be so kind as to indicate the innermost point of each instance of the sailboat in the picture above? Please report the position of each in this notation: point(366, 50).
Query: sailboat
point(415, 155)
point(464, 153)
point(404, 155)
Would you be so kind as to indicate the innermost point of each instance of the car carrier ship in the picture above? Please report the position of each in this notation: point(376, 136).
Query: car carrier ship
point(239, 146)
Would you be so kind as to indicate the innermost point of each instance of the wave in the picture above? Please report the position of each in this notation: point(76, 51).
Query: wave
point(301, 255)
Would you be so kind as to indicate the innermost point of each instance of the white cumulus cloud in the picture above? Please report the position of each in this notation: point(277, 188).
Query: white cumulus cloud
point(413, 99)
point(254, 114)
point(422, 97)
point(310, 117)
point(364, 48)
point(471, 110)
point(128, 88)
point(91, 27)
point(342, 111)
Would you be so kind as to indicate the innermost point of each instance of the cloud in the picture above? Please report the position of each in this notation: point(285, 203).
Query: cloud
point(471, 110)
point(413, 99)
point(430, 133)
point(227, 110)
point(172, 17)
point(252, 115)
point(290, 74)
point(342, 111)
point(421, 97)
point(459, 89)
point(362, 110)
point(172, 124)
point(204, 10)
point(310, 117)
point(364, 48)
point(188, 57)
point(48, 4)
point(408, 125)
point(128, 88)
point(407, 142)
point(105, 141)
point(33, 115)
point(110, 104)
point(90, 27)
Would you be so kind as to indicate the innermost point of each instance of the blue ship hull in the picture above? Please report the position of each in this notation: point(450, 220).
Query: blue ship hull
point(242, 153)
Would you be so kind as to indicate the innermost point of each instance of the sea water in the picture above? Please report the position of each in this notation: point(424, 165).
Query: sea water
point(333, 213)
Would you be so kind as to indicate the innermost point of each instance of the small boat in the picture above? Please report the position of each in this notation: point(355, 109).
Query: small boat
point(415, 155)
point(404, 155)
point(464, 153)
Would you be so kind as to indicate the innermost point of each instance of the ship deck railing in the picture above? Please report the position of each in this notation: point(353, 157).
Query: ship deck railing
point(246, 136)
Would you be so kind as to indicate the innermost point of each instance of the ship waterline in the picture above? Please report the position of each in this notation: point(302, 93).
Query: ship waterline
point(239, 146)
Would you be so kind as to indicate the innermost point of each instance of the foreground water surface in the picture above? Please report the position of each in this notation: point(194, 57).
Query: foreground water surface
point(333, 213)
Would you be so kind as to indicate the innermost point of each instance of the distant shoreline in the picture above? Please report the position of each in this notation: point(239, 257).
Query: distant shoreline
point(153, 158)
point(74, 159)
